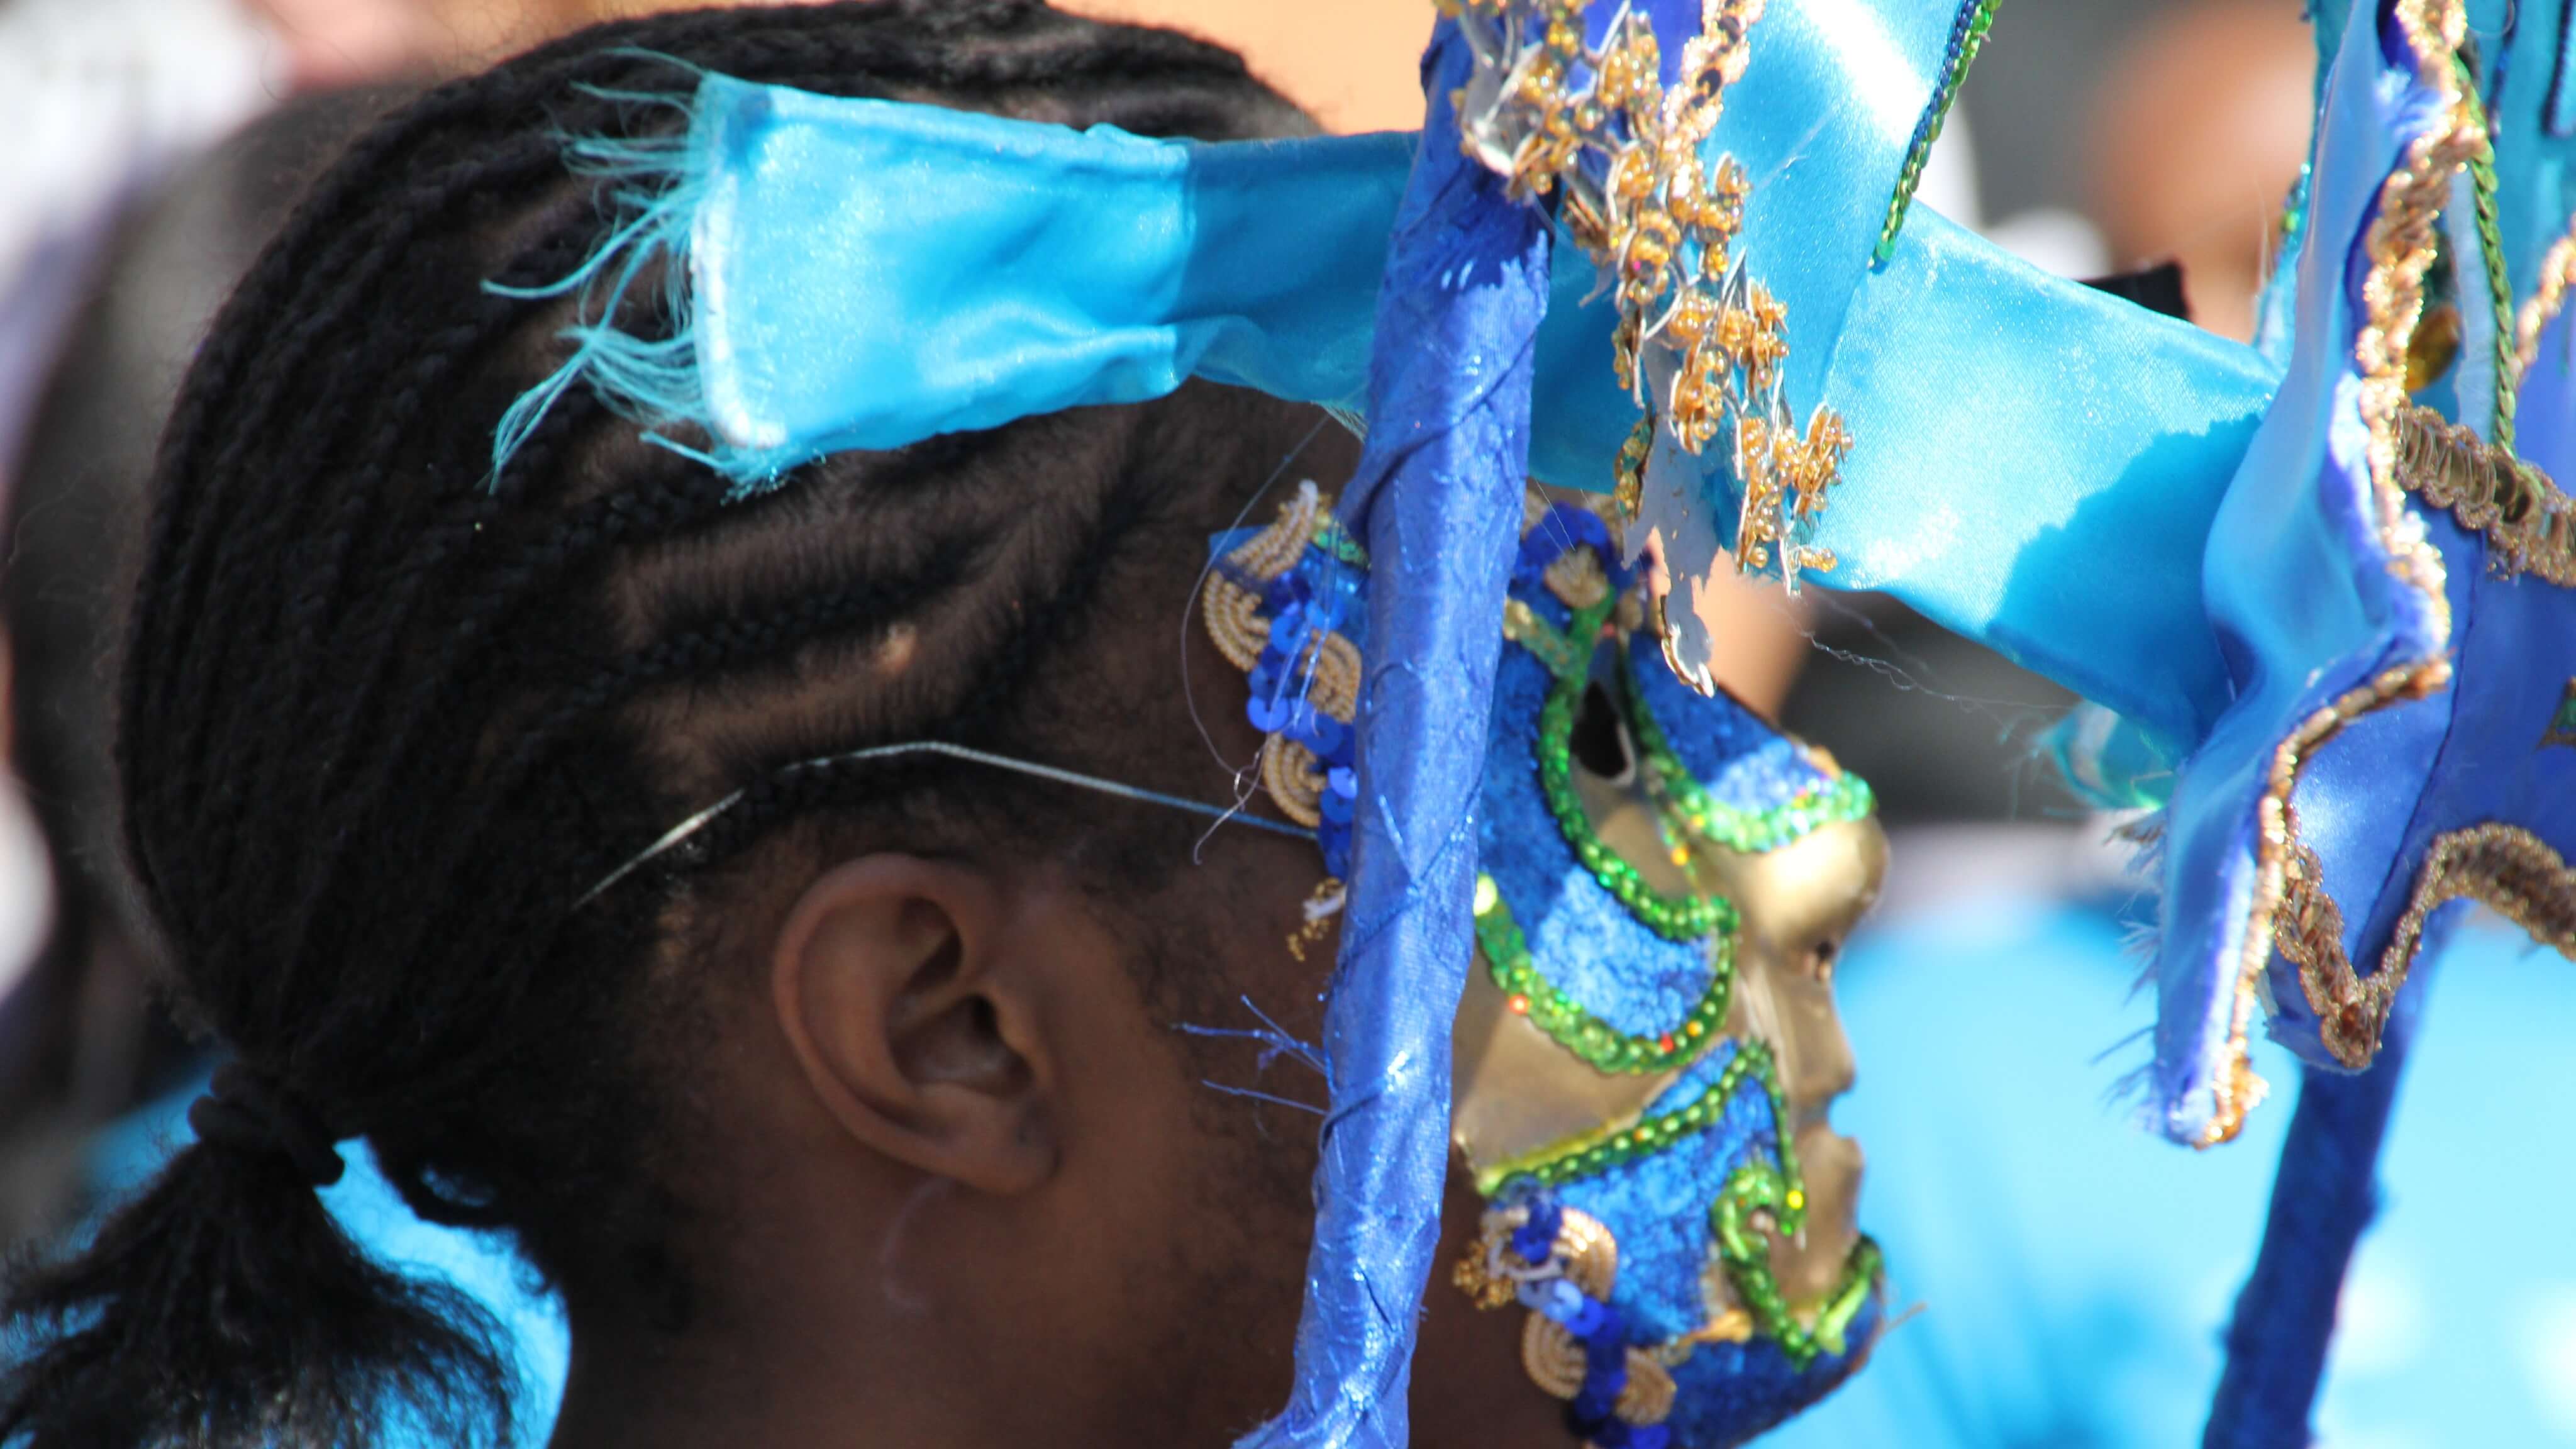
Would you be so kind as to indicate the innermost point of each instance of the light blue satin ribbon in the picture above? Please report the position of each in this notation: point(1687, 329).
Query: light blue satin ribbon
point(994, 268)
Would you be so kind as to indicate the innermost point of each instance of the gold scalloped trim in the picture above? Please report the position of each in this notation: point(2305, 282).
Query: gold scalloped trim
point(2529, 525)
point(2504, 867)
point(1290, 772)
point(2400, 243)
point(2549, 295)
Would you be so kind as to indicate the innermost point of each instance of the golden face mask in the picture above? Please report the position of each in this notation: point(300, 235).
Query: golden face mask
point(1647, 1045)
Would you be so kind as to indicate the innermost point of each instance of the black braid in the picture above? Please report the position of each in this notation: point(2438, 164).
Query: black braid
point(385, 719)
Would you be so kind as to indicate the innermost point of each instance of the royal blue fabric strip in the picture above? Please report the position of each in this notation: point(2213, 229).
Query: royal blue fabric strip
point(2324, 1197)
point(1438, 498)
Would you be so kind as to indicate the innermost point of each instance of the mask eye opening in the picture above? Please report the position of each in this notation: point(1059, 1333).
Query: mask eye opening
point(1600, 742)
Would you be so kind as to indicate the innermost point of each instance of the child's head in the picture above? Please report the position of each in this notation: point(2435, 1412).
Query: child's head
point(885, 1039)
point(527, 828)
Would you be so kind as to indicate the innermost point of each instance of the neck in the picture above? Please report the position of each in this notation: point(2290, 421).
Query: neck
point(804, 1332)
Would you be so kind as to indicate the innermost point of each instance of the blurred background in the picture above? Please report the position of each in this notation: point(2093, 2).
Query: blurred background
point(2071, 1275)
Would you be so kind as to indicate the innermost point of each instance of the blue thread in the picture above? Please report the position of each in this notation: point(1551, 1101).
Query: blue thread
point(1535, 1239)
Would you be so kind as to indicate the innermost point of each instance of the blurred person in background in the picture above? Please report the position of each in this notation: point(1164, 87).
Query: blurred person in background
point(2198, 135)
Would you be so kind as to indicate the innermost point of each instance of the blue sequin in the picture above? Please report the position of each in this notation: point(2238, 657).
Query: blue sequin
point(1659, 1204)
point(1583, 940)
point(1741, 761)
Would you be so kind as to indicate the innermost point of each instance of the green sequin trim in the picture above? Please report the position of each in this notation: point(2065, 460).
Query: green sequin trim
point(1675, 918)
point(1965, 37)
point(1336, 540)
point(1845, 797)
point(1605, 1047)
point(1524, 626)
point(1595, 1153)
point(1758, 1186)
point(1774, 1188)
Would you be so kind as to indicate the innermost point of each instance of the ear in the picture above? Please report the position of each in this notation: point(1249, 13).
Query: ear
point(892, 982)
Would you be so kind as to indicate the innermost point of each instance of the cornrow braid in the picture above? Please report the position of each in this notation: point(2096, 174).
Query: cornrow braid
point(385, 719)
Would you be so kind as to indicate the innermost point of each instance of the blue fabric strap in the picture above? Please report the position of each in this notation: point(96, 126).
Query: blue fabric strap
point(2323, 1199)
point(991, 269)
point(1438, 496)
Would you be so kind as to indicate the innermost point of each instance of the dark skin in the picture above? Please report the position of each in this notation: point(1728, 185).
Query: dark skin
point(974, 1188)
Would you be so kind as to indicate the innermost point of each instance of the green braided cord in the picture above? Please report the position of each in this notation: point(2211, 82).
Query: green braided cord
point(1673, 917)
point(1605, 1047)
point(1965, 37)
point(2482, 186)
point(1846, 797)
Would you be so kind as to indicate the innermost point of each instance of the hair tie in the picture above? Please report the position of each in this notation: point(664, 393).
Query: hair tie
point(251, 1111)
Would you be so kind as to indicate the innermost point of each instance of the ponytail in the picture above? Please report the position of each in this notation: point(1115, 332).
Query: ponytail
point(384, 718)
point(223, 1305)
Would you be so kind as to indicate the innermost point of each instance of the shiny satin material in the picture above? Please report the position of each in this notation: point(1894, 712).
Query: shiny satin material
point(1438, 497)
point(870, 273)
point(2061, 525)
point(2297, 581)
point(1012, 268)
point(2164, 521)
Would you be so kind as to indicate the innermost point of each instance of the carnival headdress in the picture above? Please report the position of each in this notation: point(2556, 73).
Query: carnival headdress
point(1664, 249)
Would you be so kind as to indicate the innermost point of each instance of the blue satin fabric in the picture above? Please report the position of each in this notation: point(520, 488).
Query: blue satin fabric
point(1438, 497)
point(1821, 123)
point(2306, 608)
point(2060, 522)
point(2164, 521)
point(988, 269)
point(869, 273)
point(2297, 582)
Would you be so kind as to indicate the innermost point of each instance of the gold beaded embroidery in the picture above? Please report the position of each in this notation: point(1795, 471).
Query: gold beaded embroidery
point(1664, 228)
point(1553, 1357)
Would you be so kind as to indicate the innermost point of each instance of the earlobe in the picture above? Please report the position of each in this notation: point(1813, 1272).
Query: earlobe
point(894, 985)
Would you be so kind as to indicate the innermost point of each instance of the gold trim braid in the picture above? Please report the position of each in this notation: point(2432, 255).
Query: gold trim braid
point(2400, 243)
point(2504, 867)
point(2529, 525)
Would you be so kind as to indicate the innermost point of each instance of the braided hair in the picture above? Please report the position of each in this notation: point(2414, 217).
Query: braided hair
point(386, 719)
